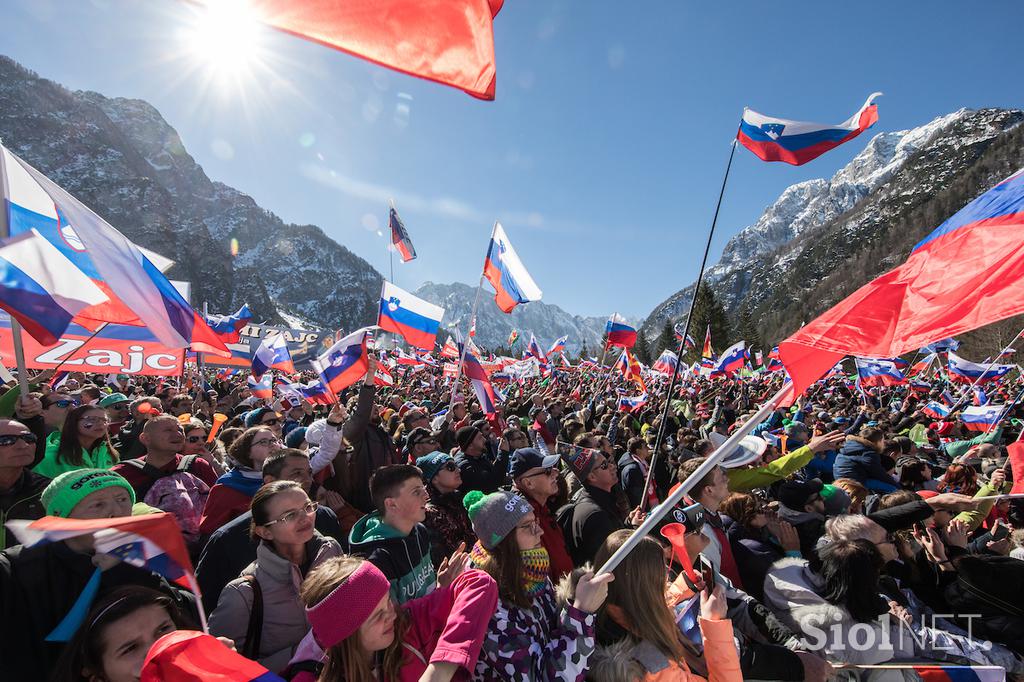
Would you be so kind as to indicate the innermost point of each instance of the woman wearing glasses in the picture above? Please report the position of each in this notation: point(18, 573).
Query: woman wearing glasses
point(446, 517)
point(83, 443)
point(529, 638)
point(232, 494)
point(261, 610)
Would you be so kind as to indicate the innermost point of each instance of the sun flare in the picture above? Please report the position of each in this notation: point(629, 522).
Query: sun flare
point(225, 38)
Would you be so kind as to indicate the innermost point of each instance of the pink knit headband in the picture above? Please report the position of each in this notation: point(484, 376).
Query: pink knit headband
point(338, 615)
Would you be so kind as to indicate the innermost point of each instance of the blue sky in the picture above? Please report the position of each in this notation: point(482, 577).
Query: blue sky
point(602, 153)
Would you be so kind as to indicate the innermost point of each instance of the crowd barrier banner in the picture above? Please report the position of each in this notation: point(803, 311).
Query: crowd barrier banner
point(304, 346)
point(116, 349)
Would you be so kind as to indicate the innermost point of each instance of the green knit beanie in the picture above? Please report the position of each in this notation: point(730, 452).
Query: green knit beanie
point(71, 487)
point(496, 515)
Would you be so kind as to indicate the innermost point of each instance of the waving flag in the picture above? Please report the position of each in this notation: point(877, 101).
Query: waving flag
point(481, 383)
point(345, 362)
point(797, 142)
point(413, 318)
point(707, 351)
point(273, 353)
point(229, 327)
point(534, 349)
point(935, 410)
point(630, 368)
point(400, 237)
point(619, 332)
point(632, 403)
point(451, 43)
point(407, 359)
point(878, 372)
point(450, 350)
point(941, 346)
point(41, 288)
point(960, 673)
point(507, 274)
point(922, 365)
point(677, 331)
point(316, 393)
point(980, 398)
point(984, 418)
point(666, 362)
point(732, 359)
point(383, 377)
point(969, 272)
point(558, 346)
point(966, 372)
point(512, 338)
point(261, 388)
point(136, 291)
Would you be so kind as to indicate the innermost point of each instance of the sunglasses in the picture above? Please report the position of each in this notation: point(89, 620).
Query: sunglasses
point(196, 439)
point(546, 471)
point(11, 439)
point(63, 404)
point(450, 466)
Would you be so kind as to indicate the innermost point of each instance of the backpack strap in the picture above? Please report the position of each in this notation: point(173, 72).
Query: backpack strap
point(254, 632)
point(148, 469)
point(186, 462)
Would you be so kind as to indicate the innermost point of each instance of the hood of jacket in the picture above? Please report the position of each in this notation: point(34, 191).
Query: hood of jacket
point(245, 481)
point(855, 445)
point(371, 528)
point(404, 559)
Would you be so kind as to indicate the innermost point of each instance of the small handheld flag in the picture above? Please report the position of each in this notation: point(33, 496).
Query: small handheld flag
point(272, 354)
point(619, 332)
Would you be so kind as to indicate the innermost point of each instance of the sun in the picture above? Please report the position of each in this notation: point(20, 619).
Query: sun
point(225, 39)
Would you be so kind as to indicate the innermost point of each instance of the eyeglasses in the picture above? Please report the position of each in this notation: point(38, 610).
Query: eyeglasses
point(10, 439)
point(530, 527)
point(266, 441)
point(546, 471)
point(603, 465)
point(63, 404)
point(294, 515)
point(197, 439)
point(93, 421)
point(450, 466)
point(271, 422)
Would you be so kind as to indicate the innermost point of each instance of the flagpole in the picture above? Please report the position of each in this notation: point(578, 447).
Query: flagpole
point(472, 321)
point(710, 463)
point(981, 376)
point(85, 343)
point(5, 232)
point(686, 330)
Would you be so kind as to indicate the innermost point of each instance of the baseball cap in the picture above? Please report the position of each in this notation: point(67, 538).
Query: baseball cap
point(525, 459)
point(114, 399)
point(795, 494)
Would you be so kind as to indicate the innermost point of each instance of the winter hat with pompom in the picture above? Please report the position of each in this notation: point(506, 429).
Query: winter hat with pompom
point(496, 515)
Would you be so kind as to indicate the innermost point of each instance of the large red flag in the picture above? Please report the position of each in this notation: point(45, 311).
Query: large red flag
point(447, 41)
point(968, 273)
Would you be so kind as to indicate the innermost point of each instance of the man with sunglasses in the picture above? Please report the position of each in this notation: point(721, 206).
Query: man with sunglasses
point(55, 410)
point(164, 440)
point(20, 487)
point(536, 478)
point(116, 406)
point(420, 442)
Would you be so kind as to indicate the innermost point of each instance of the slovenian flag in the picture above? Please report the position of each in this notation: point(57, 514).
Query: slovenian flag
point(666, 362)
point(507, 274)
point(345, 362)
point(534, 349)
point(136, 291)
point(272, 354)
point(797, 142)
point(619, 332)
point(878, 372)
point(261, 388)
point(980, 398)
point(922, 365)
point(943, 346)
point(983, 418)
point(229, 327)
point(960, 673)
point(481, 384)
point(416, 320)
point(966, 372)
point(732, 359)
point(935, 410)
point(558, 346)
point(400, 237)
point(632, 403)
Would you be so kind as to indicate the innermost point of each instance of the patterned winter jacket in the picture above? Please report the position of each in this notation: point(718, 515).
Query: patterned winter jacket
point(448, 524)
point(538, 644)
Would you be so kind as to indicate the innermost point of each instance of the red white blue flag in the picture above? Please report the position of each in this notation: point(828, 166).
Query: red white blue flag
point(261, 388)
point(507, 274)
point(966, 372)
point(400, 237)
point(732, 359)
point(273, 353)
point(878, 372)
point(619, 332)
point(345, 362)
point(984, 418)
point(960, 673)
point(416, 320)
point(666, 362)
point(558, 346)
point(797, 142)
point(935, 410)
point(229, 327)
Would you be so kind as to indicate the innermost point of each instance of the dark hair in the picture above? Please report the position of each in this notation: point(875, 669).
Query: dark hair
point(70, 450)
point(703, 447)
point(905, 444)
point(850, 571)
point(178, 400)
point(229, 435)
point(261, 502)
point(274, 465)
point(85, 650)
point(504, 563)
point(741, 508)
point(240, 448)
point(871, 434)
point(912, 475)
point(635, 444)
point(691, 465)
point(387, 480)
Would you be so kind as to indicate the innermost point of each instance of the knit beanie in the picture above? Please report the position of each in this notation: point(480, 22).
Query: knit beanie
point(465, 436)
point(71, 487)
point(837, 500)
point(432, 462)
point(253, 417)
point(295, 437)
point(496, 515)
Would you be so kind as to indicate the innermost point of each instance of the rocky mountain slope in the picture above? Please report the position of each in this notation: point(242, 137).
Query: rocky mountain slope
point(821, 239)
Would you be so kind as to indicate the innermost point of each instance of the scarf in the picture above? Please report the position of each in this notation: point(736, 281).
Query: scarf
point(536, 566)
point(245, 481)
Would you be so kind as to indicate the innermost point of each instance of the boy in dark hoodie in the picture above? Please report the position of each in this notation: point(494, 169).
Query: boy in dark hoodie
point(394, 538)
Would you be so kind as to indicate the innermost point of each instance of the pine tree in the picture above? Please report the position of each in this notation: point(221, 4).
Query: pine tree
point(707, 311)
point(584, 352)
point(667, 338)
point(640, 349)
point(748, 332)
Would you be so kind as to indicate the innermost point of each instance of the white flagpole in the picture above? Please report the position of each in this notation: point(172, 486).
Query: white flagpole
point(5, 232)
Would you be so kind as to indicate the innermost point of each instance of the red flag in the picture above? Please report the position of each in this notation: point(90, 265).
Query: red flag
point(447, 41)
point(968, 273)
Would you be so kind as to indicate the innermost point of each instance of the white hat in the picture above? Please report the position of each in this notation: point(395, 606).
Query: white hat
point(749, 449)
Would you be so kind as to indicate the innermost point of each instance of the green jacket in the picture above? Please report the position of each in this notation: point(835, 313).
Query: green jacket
point(745, 480)
point(974, 517)
point(959, 447)
point(52, 467)
point(9, 400)
point(403, 559)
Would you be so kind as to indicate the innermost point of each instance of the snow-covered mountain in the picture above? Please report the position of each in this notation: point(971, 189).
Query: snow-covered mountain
point(906, 178)
point(546, 321)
